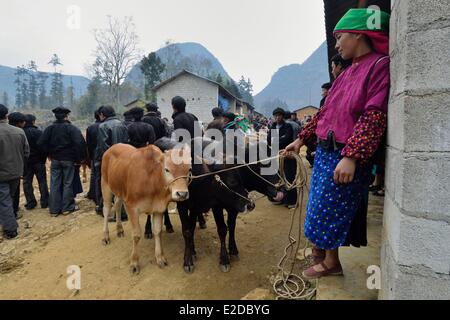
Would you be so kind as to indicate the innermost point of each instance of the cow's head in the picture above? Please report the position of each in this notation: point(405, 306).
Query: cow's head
point(177, 171)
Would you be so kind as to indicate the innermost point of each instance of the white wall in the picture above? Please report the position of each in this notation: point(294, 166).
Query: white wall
point(201, 96)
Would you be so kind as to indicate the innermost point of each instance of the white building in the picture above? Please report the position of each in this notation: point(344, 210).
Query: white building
point(201, 95)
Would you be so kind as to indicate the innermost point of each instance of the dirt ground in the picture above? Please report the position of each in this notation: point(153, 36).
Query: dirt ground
point(34, 266)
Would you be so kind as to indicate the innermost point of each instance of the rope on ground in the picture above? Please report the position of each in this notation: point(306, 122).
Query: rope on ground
point(288, 285)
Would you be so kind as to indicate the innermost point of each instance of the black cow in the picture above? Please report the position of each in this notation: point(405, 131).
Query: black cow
point(252, 179)
point(204, 193)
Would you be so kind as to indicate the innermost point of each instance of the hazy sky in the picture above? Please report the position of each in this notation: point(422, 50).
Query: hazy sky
point(250, 37)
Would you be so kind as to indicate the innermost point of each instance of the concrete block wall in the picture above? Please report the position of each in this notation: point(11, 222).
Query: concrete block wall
point(416, 233)
point(201, 96)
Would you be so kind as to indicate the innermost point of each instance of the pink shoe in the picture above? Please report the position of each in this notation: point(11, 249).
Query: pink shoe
point(313, 274)
point(318, 256)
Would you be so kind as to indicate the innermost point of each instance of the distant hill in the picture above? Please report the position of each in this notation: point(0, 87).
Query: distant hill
point(190, 56)
point(296, 85)
point(7, 85)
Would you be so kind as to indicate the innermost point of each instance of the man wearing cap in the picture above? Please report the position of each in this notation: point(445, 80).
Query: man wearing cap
point(140, 134)
point(65, 145)
point(285, 138)
point(153, 119)
point(128, 118)
point(110, 132)
point(17, 119)
point(35, 166)
point(14, 149)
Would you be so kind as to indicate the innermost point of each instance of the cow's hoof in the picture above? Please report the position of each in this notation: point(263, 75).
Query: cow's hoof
point(149, 236)
point(120, 234)
point(225, 268)
point(162, 264)
point(189, 269)
point(234, 257)
point(170, 230)
point(134, 270)
point(106, 242)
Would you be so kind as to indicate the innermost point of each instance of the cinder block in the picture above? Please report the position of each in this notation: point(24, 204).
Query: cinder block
point(394, 174)
point(437, 14)
point(426, 122)
point(391, 226)
point(396, 122)
point(425, 184)
point(402, 283)
point(424, 242)
point(427, 60)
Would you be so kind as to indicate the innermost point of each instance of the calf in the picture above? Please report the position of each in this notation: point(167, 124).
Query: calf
point(145, 180)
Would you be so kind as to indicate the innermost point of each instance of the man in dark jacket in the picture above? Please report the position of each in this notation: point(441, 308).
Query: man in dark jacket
point(295, 126)
point(35, 166)
point(14, 150)
point(110, 132)
point(65, 145)
point(140, 134)
point(184, 120)
point(91, 141)
point(17, 119)
point(128, 118)
point(153, 119)
point(286, 137)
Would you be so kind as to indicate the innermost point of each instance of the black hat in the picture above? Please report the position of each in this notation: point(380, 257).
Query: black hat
point(279, 111)
point(16, 117)
point(217, 112)
point(61, 111)
point(327, 86)
point(30, 118)
point(136, 112)
point(229, 115)
point(151, 107)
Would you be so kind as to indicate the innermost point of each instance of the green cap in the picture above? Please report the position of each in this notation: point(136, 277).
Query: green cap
point(364, 20)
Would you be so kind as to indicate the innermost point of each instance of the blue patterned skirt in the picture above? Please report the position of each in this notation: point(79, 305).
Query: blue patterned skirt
point(331, 207)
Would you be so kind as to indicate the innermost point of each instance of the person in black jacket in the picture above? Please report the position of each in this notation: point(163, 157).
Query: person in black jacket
point(128, 118)
point(140, 134)
point(184, 120)
point(187, 121)
point(65, 145)
point(153, 118)
point(286, 137)
point(110, 132)
point(35, 166)
point(91, 141)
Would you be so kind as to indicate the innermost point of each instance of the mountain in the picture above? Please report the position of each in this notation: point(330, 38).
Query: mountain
point(297, 85)
point(178, 56)
point(7, 85)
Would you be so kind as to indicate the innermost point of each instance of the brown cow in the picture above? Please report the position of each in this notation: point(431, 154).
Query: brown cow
point(146, 181)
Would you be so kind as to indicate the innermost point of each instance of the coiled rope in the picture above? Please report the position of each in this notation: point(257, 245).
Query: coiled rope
point(289, 285)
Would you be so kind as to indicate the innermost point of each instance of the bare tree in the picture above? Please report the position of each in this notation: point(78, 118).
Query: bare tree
point(116, 53)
